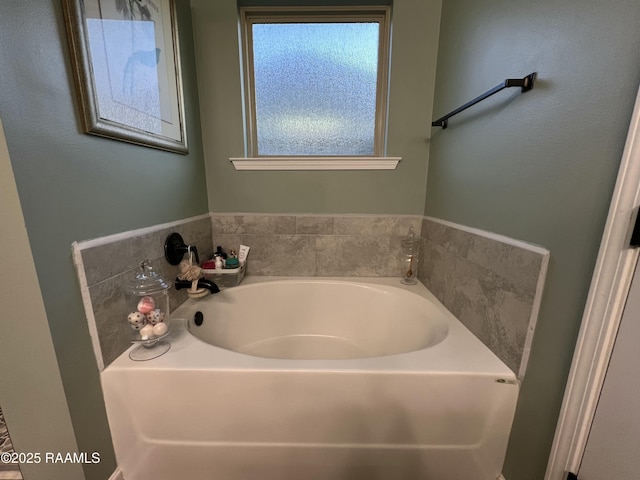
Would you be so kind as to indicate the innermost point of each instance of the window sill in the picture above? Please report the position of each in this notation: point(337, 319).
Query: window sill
point(316, 163)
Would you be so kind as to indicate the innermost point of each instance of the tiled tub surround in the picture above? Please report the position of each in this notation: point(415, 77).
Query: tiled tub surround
point(491, 283)
point(105, 264)
point(317, 245)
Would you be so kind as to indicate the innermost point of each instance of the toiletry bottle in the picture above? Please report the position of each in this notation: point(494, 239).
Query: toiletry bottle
point(242, 253)
point(209, 265)
point(232, 260)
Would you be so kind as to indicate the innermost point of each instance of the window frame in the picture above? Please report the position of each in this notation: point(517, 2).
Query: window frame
point(250, 15)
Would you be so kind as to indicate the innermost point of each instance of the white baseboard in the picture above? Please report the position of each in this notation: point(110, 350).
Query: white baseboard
point(501, 477)
point(117, 475)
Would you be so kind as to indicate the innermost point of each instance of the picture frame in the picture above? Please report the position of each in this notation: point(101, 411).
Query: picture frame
point(126, 63)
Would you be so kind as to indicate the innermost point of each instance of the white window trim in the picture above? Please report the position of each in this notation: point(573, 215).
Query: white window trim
point(378, 161)
point(315, 163)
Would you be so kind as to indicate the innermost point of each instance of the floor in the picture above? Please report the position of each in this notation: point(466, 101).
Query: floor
point(7, 471)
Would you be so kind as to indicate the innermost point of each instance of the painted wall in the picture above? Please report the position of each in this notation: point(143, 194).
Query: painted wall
point(36, 424)
point(538, 166)
point(400, 191)
point(74, 186)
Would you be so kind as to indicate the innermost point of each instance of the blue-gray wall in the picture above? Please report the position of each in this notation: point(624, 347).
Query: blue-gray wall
point(538, 166)
point(399, 191)
point(74, 186)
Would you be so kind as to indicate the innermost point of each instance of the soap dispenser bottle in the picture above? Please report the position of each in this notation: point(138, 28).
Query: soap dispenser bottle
point(219, 258)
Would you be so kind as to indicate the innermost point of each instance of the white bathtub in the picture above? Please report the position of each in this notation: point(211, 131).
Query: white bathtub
point(355, 379)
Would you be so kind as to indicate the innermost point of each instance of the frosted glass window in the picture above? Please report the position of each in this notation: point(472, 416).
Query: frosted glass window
point(315, 87)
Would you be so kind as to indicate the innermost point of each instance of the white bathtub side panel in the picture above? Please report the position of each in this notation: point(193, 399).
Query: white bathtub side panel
point(291, 462)
point(128, 442)
point(325, 424)
point(200, 412)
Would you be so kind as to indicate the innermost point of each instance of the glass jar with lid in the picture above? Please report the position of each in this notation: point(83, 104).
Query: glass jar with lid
point(147, 312)
point(410, 256)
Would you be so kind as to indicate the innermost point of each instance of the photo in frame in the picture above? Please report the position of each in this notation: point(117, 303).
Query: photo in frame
point(126, 64)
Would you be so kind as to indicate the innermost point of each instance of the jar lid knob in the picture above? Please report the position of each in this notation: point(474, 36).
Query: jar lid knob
point(411, 242)
point(411, 234)
point(147, 281)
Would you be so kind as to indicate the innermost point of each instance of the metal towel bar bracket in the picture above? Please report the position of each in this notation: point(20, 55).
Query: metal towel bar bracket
point(525, 84)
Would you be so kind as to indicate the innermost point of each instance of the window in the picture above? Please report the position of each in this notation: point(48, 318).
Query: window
point(315, 81)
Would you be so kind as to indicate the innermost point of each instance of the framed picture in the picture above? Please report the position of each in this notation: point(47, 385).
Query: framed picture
point(126, 64)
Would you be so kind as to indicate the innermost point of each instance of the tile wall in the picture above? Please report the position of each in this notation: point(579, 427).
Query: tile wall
point(316, 245)
point(104, 265)
point(491, 283)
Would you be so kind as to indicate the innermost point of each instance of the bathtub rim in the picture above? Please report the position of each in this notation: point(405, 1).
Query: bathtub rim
point(459, 354)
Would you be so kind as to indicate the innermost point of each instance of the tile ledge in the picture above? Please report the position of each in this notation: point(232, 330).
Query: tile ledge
point(493, 236)
point(128, 234)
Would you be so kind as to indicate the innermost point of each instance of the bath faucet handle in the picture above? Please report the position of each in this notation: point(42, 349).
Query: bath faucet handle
point(175, 248)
